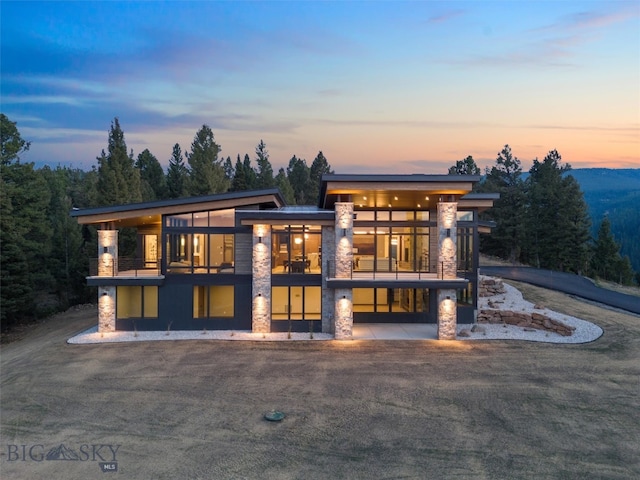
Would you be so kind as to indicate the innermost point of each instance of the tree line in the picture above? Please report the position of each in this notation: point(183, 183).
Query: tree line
point(44, 253)
point(543, 221)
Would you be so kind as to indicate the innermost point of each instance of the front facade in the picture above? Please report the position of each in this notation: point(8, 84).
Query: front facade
point(384, 249)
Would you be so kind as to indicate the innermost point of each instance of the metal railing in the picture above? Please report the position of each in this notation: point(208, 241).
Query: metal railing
point(396, 272)
point(129, 266)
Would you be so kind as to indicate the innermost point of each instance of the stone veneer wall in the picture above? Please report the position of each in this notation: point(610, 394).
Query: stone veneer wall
point(107, 261)
point(343, 237)
point(106, 309)
point(261, 281)
point(447, 314)
point(447, 245)
point(328, 294)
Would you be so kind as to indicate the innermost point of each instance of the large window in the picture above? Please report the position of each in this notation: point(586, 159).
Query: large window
point(137, 302)
point(296, 249)
point(390, 300)
point(200, 253)
point(384, 249)
point(213, 301)
point(296, 303)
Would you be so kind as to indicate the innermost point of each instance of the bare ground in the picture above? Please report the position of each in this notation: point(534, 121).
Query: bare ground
point(366, 409)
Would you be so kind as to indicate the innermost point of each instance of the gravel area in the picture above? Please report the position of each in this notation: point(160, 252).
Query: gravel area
point(511, 300)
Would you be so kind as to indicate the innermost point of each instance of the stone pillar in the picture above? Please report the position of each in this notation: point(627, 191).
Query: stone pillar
point(343, 305)
point(261, 282)
point(447, 240)
point(447, 268)
point(447, 314)
point(343, 329)
point(107, 253)
point(344, 239)
point(106, 309)
point(328, 294)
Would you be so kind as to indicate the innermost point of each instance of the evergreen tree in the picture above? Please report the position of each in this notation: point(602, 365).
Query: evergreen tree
point(504, 178)
point(118, 179)
point(153, 184)
point(282, 182)
point(12, 143)
point(264, 177)
point(177, 174)
point(206, 173)
point(250, 175)
point(319, 167)
point(239, 182)
point(229, 172)
point(606, 257)
point(298, 175)
point(465, 167)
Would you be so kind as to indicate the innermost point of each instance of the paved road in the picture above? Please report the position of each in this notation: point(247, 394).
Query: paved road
point(567, 283)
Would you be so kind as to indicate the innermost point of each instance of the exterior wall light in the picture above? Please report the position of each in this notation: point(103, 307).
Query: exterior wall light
point(104, 294)
point(260, 294)
point(105, 250)
point(448, 233)
point(260, 239)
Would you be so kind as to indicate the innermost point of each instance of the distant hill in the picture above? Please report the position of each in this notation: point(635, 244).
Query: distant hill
point(616, 193)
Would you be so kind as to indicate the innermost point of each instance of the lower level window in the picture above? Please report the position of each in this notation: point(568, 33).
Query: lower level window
point(296, 303)
point(137, 302)
point(213, 301)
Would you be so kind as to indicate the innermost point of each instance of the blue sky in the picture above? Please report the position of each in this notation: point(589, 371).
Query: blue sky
point(402, 87)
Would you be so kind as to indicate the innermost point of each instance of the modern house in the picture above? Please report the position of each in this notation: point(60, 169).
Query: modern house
point(377, 248)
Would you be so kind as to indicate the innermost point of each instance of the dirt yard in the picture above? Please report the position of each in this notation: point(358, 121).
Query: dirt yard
point(355, 410)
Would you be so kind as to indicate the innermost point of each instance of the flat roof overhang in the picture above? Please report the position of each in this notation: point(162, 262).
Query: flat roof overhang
point(452, 284)
point(146, 213)
point(393, 191)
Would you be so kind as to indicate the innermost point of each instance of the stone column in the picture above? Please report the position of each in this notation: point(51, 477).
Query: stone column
point(343, 329)
point(447, 240)
point(106, 309)
point(328, 295)
point(447, 314)
point(261, 281)
point(447, 268)
point(107, 253)
point(343, 326)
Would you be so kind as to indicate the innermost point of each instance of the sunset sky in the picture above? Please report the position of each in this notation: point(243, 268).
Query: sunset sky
point(379, 87)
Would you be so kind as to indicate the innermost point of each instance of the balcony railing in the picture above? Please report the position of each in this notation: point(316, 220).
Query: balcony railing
point(127, 267)
point(397, 272)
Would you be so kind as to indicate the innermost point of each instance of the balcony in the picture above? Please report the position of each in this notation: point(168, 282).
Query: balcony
point(127, 268)
point(401, 276)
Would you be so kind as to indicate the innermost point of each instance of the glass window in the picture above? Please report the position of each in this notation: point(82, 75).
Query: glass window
point(201, 219)
point(222, 218)
point(183, 220)
point(400, 216)
point(422, 216)
point(136, 302)
point(365, 216)
point(296, 303)
point(298, 249)
point(382, 216)
point(464, 216)
point(213, 301)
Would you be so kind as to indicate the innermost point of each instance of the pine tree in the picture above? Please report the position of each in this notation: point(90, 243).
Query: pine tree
point(282, 182)
point(12, 144)
point(298, 175)
point(118, 179)
point(250, 175)
point(319, 167)
point(504, 178)
point(206, 174)
point(153, 184)
point(605, 259)
point(176, 174)
point(239, 182)
point(465, 167)
point(229, 171)
point(264, 178)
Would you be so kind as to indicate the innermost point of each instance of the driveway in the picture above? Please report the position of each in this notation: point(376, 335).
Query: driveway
point(354, 409)
point(567, 283)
